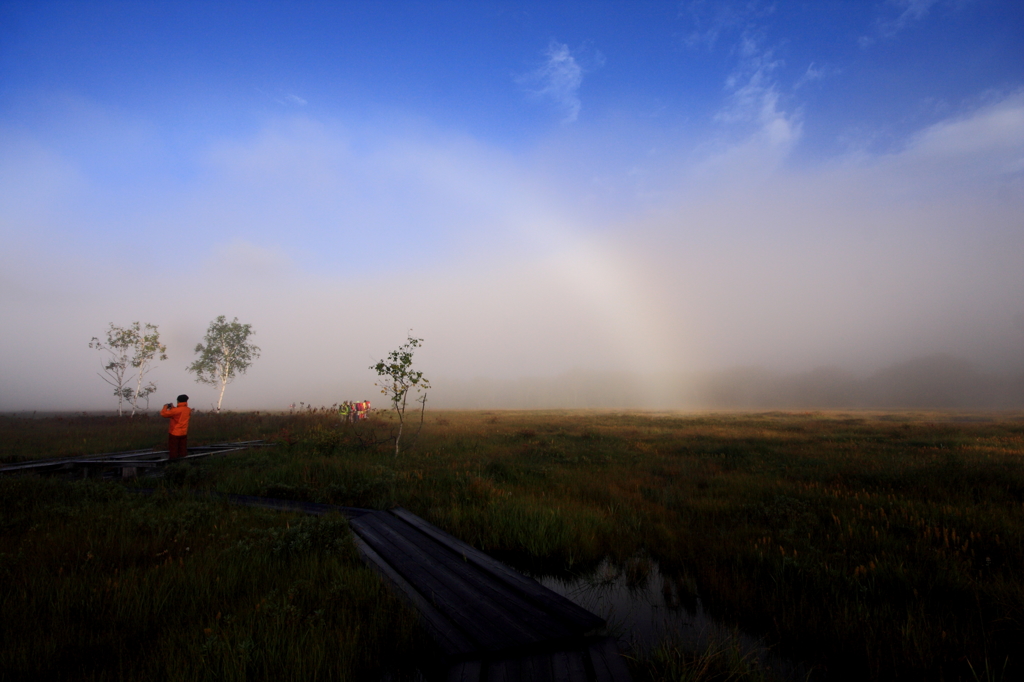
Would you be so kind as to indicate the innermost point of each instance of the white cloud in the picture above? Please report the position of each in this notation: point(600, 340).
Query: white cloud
point(285, 99)
point(897, 16)
point(559, 80)
point(994, 129)
point(709, 20)
point(815, 72)
point(754, 96)
point(909, 11)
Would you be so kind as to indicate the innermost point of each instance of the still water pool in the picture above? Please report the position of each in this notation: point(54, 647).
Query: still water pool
point(645, 608)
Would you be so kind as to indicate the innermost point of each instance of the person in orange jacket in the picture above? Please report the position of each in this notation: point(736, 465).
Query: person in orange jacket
point(177, 432)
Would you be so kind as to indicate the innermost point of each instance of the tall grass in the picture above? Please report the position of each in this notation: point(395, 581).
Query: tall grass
point(99, 584)
point(868, 546)
point(720, 660)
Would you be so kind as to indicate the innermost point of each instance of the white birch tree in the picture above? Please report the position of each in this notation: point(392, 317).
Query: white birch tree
point(135, 346)
point(225, 354)
point(147, 350)
point(118, 347)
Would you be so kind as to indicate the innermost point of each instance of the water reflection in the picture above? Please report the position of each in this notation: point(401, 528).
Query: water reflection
point(645, 608)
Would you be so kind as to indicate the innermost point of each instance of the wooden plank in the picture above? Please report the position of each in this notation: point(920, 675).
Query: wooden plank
point(451, 641)
point(471, 611)
point(568, 666)
point(207, 453)
point(148, 464)
point(429, 587)
point(529, 615)
point(62, 461)
point(518, 618)
point(57, 462)
point(467, 671)
point(609, 666)
point(537, 668)
point(504, 671)
point(531, 589)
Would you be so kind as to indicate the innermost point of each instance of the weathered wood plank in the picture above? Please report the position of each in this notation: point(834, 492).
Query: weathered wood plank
point(445, 635)
point(462, 614)
point(60, 463)
point(470, 610)
point(568, 666)
point(468, 671)
point(504, 671)
point(518, 615)
point(534, 591)
point(538, 667)
point(529, 615)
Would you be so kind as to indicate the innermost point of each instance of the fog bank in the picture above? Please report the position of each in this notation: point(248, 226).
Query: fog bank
point(934, 382)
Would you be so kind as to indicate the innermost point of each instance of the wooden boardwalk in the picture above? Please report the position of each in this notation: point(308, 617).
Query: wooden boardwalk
point(126, 463)
point(489, 622)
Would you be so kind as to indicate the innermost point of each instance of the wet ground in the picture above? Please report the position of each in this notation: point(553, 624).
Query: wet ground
point(644, 608)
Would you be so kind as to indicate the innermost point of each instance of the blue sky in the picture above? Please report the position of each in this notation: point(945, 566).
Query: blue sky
point(535, 188)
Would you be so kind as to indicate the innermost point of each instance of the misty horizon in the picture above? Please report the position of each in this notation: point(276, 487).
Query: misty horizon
point(934, 382)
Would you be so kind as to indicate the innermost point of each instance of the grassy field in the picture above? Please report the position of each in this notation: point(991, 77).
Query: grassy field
point(868, 546)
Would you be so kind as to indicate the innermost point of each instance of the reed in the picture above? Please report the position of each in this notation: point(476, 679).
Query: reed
point(865, 545)
point(99, 583)
point(719, 660)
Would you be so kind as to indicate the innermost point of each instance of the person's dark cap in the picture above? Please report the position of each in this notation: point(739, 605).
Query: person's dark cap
point(182, 398)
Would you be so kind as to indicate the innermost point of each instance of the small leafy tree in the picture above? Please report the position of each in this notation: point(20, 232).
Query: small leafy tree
point(226, 353)
point(135, 346)
point(398, 379)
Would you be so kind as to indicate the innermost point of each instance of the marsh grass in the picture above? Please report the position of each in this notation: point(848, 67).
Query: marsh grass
point(722, 659)
point(99, 583)
point(866, 546)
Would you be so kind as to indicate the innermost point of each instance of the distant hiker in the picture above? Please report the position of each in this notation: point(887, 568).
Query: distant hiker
point(177, 431)
point(344, 411)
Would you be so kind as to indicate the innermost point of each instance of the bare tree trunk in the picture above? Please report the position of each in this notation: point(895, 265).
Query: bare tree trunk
point(401, 422)
point(135, 396)
point(225, 376)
